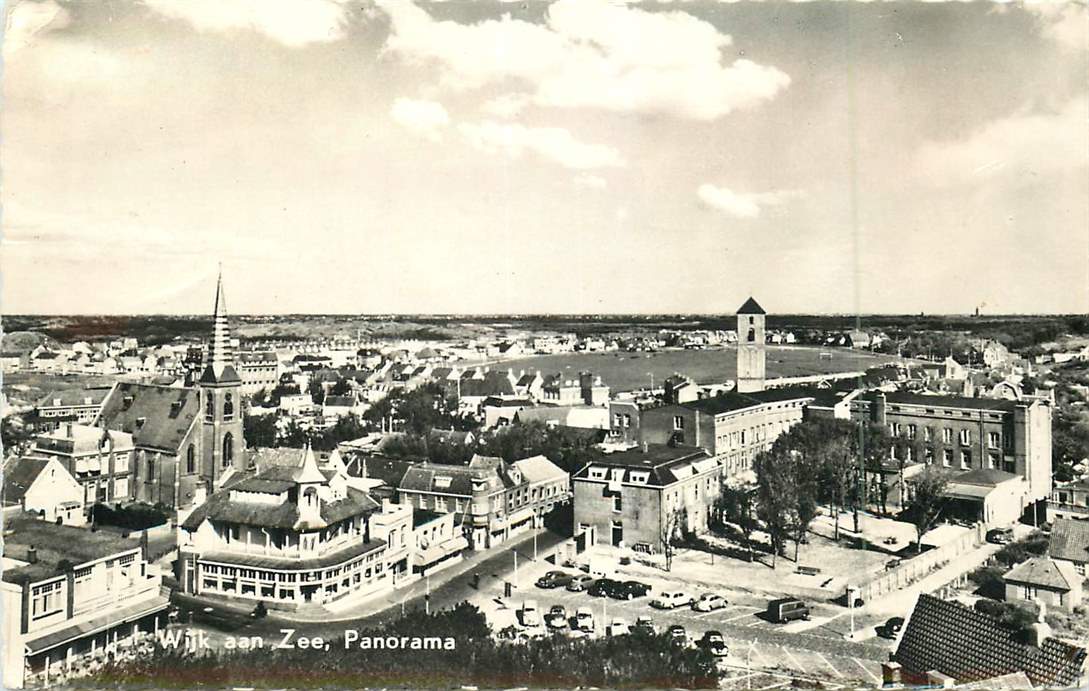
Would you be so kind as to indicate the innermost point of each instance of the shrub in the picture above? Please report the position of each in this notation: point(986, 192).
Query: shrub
point(988, 581)
point(132, 517)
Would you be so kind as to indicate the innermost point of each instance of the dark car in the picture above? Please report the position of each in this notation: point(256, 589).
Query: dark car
point(714, 643)
point(554, 579)
point(678, 635)
point(787, 609)
point(556, 617)
point(629, 590)
point(891, 627)
point(645, 624)
point(580, 582)
point(603, 587)
point(1000, 536)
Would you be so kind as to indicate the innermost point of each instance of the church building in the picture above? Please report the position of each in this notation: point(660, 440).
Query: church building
point(183, 436)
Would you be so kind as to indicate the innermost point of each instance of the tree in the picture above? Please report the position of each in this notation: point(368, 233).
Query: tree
point(805, 497)
point(736, 505)
point(928, 502)
point(260, 431)
point(673, 526)
point(776, 493)
point(317, 392)
point(875, 447)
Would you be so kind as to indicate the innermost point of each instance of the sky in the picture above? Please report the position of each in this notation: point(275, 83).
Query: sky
point(575, 156)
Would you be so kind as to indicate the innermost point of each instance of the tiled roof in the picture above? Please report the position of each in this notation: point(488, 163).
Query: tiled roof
point(751, 306)
point(664, 464)
point(1042, 572)
point(165, 424)
point(389, 470)
point(54, 543)
point(938, 401)
point(340, 401)
point(219, 507)
point(19, 475)
point(449, 479)
point(72, 397)
point(971, 646)
point(1069, 540)
point(489, 386)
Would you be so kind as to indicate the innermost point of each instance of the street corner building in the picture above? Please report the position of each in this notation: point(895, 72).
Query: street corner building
point(293, 534)
point(72, 598)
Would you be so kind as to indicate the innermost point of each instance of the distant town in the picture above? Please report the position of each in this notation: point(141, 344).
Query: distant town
point(831, 504)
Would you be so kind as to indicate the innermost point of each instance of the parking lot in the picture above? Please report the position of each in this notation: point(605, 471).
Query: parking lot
point(810, 649)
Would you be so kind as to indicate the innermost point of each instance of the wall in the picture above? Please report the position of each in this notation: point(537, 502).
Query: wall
point(917, 568)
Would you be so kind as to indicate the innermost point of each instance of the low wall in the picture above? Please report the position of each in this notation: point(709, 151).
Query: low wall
point(915, 569)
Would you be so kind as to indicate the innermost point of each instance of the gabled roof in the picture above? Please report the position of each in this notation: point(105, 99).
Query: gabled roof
point(19, 475)
point(751, 306)
point(1042, 572)
point(167, 413)
point(450, 479)
point(663, 464)
point(1069, 540)
point(970, 646)
point(72, 397)
point(539, 469)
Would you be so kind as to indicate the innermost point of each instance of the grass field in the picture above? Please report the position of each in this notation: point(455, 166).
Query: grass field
point(27, 388)
point(629, 371)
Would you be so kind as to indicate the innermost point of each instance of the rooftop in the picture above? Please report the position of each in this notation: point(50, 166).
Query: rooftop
point(1041, 571)
point(167, 413)
point(1069, 540)
point(751, 306)
point(732, 401)
point(937, 401)
point(53, 544)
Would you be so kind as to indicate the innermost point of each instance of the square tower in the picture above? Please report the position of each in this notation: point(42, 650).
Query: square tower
point(751, 357)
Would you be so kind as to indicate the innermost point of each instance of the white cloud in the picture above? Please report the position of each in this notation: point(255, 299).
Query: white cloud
point(741, 204)
point(589, 53)
point(294, 23)
point(28, 19)
point(1021, 145)
point(553, 143)
point(506, 106)
point(593, 182)
point(1066, 23)
point(426, 118)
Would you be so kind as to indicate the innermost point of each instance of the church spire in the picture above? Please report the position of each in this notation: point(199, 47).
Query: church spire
point(219, 360)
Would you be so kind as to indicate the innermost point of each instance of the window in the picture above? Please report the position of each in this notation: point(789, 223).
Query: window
point(928, 434)
point(993, 440)
point(897, 429)
point(911, 431)
point(965, 437)
point(191, 459)
point(678, 422)
point(228, 408)
point(228, 449)
point(752, 334)
point(210, 408)
point(46, 600)
point(627, 420)
point(947, 457)
point(929, 455)
point(947, 435)
point(965, 460)
point(150, 469)
point(618, 502)
point(1028, 592)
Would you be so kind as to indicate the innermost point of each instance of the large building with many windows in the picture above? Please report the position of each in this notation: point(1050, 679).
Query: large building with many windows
point(70, 596)
point(291, 535)
point(99, 460)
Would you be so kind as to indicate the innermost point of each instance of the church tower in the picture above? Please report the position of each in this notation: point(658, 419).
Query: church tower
point(751, 357)
point(221, 400)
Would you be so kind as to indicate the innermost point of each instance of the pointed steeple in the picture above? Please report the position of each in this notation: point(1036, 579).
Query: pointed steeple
point(308, 471)
point(219, 360)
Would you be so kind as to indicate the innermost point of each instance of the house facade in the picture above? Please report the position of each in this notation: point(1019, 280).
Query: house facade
point(43, 487)
point(100, 461)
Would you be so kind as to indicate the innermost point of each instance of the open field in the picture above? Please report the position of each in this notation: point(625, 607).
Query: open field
point(629, 371)
point(26, 388)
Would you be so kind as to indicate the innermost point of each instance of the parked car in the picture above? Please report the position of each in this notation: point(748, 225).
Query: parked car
point(671, 600)
point(603, 587)
point(584, 619)
point(619, 627)
point(645, 624)
point(1000, 536)
point(677, 634)
point(714, 643)
point(554, 579)
point(556, 617)
point(531, 616)
point(709, 602)
point(629, 590)
point(580, 582)
point(891, 627)
point(787, 609)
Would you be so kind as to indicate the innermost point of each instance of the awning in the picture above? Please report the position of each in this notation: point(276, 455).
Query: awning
point(93, 626)
point(430, 555)
point(972, 492)
point(520, 515)
point(455, 545)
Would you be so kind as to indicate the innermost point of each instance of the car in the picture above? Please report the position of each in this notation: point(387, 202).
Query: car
point(554, 579)
point(584, 619)
point(1000, 536)
point(671, 600)
point(645, 624)
point(677, 634)
point(556, 617)
point(891, 627)
point(580, 582)
point(602, 588)
point(629, 590)
point(787, 609)
point(619, 627)
point(530, 615)
point(709, 602)
point(714, 643)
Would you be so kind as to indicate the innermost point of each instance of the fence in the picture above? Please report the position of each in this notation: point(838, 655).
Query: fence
point(917, 568)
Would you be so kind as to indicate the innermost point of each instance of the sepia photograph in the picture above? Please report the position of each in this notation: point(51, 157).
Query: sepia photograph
point(544, 344)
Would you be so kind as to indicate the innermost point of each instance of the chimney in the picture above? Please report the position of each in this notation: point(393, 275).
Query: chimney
point(31, 555)
point(1040, 630)
point(891, 675)
point(646, 447)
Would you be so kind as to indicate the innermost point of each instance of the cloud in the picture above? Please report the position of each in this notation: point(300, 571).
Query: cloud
point(553, 143)
point(589, 54)
point(1021, 145)
point(293, 23)
point(506, 106)
point(28, 19)
point(593, 182)
point(739, 204)
point(1066, 23)
point(425, 118)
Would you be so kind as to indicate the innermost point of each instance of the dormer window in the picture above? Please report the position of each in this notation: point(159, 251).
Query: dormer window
point(443, 481)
